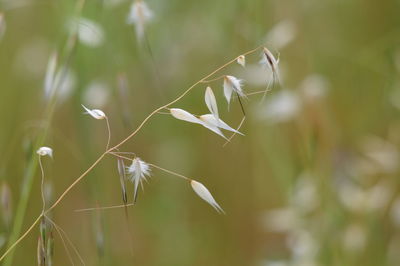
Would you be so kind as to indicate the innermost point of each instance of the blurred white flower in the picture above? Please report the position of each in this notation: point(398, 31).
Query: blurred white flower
point(281, 107)
point(275, 263)
point(304, 247)
point(6, 203)
point(232, 85)
point(314, 87)
point(96, 94)
point(43, 151)
point(305, 196)
point(357, 199)
point(281, 34)
point(89, 32)
point(241, 60)
point(36, 50)
point(383, 155)
point(394, 96)
point(137, 172)
point(139, 15)
point(354, 238)
point(203, 193)
point(50, 74)
point(2, 25)
point(95, 113)
point(281, 220)
point(395, 212)
point(58, 83)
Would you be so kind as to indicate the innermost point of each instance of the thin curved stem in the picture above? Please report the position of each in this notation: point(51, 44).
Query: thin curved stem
point(21, 237)
point(212, 80)
point(109, 133)
point(74, 183)
point(42, 184)
point(170, 172)
point(235, 133)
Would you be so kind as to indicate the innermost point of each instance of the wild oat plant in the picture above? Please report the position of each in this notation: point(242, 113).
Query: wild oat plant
point(130, 167)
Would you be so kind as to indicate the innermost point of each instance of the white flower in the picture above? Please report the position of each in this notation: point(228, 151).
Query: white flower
point(241, 60)
point(203, 193)
point(89, 32)
point(232, 84)
point(271, 63)
point(139, 15)
point(137, 172)
point(95, 113)
point(43, 151)
point(211, 102)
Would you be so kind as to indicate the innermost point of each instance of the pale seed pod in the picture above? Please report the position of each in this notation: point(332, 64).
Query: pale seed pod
point(205, 194)
point(241, 60)
point(232, 85)
point(95, 113)
point(43, 151)
point(211, 102)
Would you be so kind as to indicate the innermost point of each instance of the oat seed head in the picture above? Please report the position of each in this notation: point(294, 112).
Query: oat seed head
point(43, 151)
point(232, 85)
point(137, 172)
point(241, 60)
point(95, 113)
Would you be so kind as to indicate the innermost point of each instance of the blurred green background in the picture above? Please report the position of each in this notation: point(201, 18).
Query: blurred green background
point(315, 181)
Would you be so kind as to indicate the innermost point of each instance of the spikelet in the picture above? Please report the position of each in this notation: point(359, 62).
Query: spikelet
point(241, 60)
point(205, 194)
point(269, 61)
point(95, 113)
point(232, 85)
point(137, 172)
point(122, 178)
point(43, 151)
